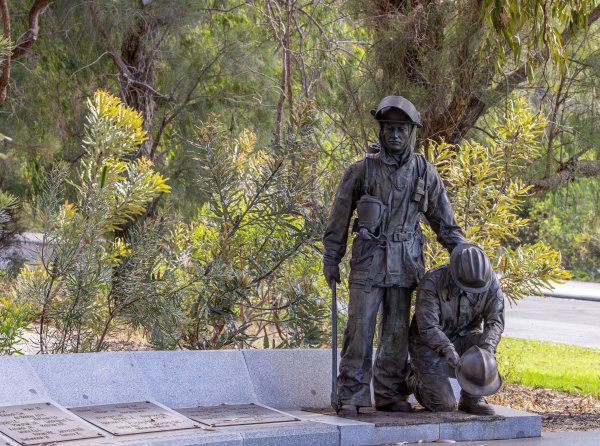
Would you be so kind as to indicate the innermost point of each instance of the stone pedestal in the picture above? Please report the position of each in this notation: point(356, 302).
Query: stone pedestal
point(374, 428)
point(288, 380)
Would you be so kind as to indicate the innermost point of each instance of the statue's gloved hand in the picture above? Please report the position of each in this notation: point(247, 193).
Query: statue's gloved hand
point(451, 356)
point(331, 273)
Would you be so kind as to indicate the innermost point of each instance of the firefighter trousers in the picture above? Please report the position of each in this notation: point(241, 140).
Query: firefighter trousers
point(356, 364)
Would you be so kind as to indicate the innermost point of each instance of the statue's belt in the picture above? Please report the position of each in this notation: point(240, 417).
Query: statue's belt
point(392, 244)
point(403, 236)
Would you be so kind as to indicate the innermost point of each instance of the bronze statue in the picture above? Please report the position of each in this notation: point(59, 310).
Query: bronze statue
point(459, 311)
point(390, 190)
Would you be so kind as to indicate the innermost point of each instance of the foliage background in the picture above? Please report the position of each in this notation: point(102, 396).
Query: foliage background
point(237, 120)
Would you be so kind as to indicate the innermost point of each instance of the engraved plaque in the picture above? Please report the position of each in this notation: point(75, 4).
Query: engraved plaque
point(234, 415)
point(31, 424)
point(132, 418)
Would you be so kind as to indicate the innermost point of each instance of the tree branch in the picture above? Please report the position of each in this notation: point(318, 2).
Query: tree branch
point(478, 106)
point(27, 40)
point(568, 171)
point(168, 118)
point(110, 49)
point(5, 75)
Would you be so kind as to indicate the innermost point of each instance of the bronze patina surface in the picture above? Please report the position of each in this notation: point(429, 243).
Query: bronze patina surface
point(418, 416)
point(383, 198)
point(42, 423)
point(234, 415)
point(132, 418)
point(457, 325)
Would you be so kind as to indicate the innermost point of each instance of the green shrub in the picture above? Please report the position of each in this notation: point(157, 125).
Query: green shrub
point(72, 290)
point(14, 320)
point(243, 271)
point(484, 184)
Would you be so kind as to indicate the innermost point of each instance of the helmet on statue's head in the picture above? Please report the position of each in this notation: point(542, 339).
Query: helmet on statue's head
point(470, 268)
point(409, 114)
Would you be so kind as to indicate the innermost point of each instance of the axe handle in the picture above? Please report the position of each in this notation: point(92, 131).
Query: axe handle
point(334, 396)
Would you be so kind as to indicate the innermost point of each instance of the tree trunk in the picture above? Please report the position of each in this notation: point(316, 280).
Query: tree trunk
point(24, 43)
point(139, 55)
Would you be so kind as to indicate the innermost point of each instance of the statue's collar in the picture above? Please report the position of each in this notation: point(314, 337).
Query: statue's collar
point(389, 159)
point(454, 292)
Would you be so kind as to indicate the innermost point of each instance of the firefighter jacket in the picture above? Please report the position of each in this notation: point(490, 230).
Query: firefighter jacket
point(395, 257)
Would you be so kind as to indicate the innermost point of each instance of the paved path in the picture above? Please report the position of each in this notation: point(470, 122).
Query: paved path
point(558, 320)
point(591, 438)
point(576, 290)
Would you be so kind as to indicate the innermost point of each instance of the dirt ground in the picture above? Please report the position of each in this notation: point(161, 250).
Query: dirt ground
point(560, 411)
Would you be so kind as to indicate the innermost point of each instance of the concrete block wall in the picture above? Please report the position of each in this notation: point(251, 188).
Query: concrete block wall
point(277, 378)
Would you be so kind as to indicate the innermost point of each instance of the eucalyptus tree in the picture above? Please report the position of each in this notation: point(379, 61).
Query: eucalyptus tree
point(458, 58)
point(465, 61)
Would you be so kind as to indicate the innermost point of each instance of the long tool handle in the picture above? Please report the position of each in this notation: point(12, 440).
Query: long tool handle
point(334, 396)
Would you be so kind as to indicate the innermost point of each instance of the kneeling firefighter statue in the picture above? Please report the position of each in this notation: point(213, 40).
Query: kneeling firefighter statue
point(390, 190)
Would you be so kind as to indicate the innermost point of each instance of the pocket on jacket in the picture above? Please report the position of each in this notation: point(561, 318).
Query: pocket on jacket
point(415, 255)
point(362, 255)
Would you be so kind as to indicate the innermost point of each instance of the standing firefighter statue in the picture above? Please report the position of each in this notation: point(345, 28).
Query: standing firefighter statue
point(390, 190)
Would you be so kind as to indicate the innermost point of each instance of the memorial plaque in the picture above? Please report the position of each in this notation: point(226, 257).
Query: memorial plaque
point(132, 418)
point(234, 415)
point(41, 423)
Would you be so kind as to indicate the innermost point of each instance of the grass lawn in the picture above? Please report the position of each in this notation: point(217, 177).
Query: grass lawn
point(550, 365)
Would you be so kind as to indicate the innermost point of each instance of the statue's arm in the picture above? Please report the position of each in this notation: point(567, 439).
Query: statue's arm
point(344, 204)
point(493, 317)
point(439, 212)
point(427, 315)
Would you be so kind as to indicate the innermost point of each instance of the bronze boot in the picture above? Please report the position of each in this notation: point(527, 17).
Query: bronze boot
point(400, 405)
point(475, 405)
point(347, 410)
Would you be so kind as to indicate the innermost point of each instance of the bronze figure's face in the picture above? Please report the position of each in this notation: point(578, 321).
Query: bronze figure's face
point(396, 136)
point(396, 129)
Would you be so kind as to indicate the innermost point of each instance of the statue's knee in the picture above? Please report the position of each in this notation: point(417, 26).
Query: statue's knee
point(436, 402)
point(441, 402)
point(445, 406)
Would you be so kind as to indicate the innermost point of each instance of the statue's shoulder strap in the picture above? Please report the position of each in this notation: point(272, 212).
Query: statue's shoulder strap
point(373, 148)
point(421, 165)
point(421, 188)
point(366, 178)
point(368, 163)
